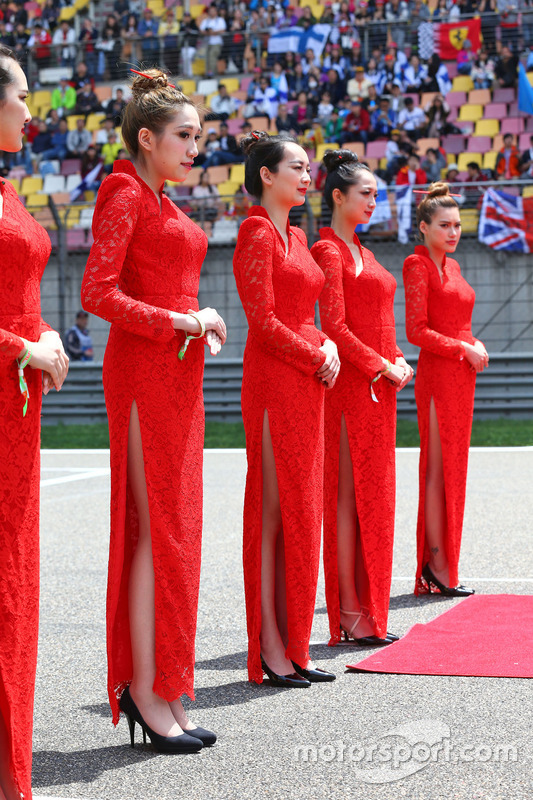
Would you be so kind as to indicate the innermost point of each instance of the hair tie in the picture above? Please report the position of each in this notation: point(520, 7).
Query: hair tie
point(426, 191)
point(150, 77)
point(340, 155)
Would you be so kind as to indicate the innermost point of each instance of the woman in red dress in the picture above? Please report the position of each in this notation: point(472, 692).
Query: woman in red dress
point(357, 312)
point(438, 311)
point(142, 275)
point(287, 362)
point(25, 341)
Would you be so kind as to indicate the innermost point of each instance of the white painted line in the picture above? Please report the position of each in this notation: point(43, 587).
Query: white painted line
point(229, 450)
point(59, 451)
point(79, 476)
point(49, 797)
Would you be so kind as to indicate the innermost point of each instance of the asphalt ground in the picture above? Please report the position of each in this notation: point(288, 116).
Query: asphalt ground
point(368, 736)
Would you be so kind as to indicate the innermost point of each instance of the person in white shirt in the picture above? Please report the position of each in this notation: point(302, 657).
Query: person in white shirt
point(64, 41)
point(412, 119)
point(222, 104)
point(215, 26)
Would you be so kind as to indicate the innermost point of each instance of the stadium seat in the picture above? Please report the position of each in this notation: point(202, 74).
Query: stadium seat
point(197, 11)
point(530, 78)
point(193, 178)
point(207, 86)
point(478, 144)
point(481, 96)
point(70, 166)
point(35, 200)
point(425, 144)
point(489, 159)
point(61, 198)
point(514, 125)
point(456, 99)
point(454, 143)
point(514, 111)
point(212, 123)
point(469, 220)
point(236, 174)
point(245, 83)
point(71, 121)
point(103, 93)
point(76, 239)
point(234, 126)
point(31, 185)
point(462, 83)
point(496, 110)
point(527, 191)
point(198, 67)
point(41, 98)
point(15, 182)
point(414, 97)
point(427, 97)
point(470, 113)
point(72, 182)
point(321, 149)
point(497, 142)
point(529, 124)
point(71, 216)
point(45, 218)
point(218, 174)
point(376, 149)
point(465, 158)
point(86, 218)
point(53, 183)
point(259, 123)
point(356, 147)
point(487, 127)
point(524, 142)
point(231, 84)
point(503, 95)
point(93, 122)
point(228, 188)
point(188, 86)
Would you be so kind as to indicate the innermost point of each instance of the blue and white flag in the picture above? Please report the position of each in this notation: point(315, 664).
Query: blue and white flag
point(404, 201)
point(382, 212)
point(86, 182)
point(298, 40)
point(506, 222)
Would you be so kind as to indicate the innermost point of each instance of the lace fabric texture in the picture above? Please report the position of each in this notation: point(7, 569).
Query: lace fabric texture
point(438, 319)
point(25, 248)
point(146, 261)
point(278, 291)
point(357, 312)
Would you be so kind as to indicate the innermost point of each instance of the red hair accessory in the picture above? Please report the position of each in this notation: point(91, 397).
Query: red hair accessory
point(151, 77)
point(255, 135)
point(426, 191)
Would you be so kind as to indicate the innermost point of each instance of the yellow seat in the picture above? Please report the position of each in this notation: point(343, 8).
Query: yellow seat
point(93, 122)
point(462, 83)
point(67, 12)
point(15, 183)
point(31, 185)
point(80, 4)
point(179, 13)
point(469, 220)
point(36, 200)
point(71, 121)
point(188, 87)
point(228, 188)
point(487, 127)
point(321, 149)
point(530, 77)
point(41, 98)
point(236, 174)
point(465, 158)
point(470, 113)
point(231, 84)
point(198, 66)
point(71, 216)
point(315, 199)
point(527, 191)
point(197, 11)
point(489, 159)
point(383, 162)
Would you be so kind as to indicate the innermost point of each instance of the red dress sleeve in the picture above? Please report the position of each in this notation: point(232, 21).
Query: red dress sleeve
point(254, 256)
point(416, 282)
point(10, 345)
point(333, 312)
point(117, 210)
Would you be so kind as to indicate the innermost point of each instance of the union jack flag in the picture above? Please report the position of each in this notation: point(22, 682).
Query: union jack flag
point(506, 222)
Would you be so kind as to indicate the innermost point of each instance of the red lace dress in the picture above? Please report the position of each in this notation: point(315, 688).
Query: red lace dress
point(279, 292)
point(25, 248)
point(357, 312)
point(144, 261)
point(438, 318)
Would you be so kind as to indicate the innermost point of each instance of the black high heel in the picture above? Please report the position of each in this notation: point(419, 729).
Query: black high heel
point(314, 675)
point(364, 641)
point(457, 591)
point(207, 738)
point(161, 744)
point(292, 681)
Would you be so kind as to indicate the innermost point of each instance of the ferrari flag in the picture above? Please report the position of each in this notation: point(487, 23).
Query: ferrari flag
point(447, 39)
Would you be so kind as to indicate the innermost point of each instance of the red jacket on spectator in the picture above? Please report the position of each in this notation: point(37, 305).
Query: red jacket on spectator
point(513, 171)
point(402, 178)
point(357, 122)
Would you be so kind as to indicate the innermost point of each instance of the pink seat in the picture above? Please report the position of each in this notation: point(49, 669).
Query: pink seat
point(478, 144)
point(415, 98)
point(514, 125)
point(503, 95)
point(466, 126)
point(514, 111)
point(451, 66)
point(525, 141)
point(454, 143)
point(495, 111)
point(456, 99)
point(234, 126)
point(70, 166)
point(529, 124)
point(76, 239)
point(376, 149)
point(245, 83)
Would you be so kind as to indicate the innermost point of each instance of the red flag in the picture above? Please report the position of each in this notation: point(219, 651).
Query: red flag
point(451, 35)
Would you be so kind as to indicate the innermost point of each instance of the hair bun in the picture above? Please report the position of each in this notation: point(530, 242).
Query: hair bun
point(249, 141)
point(333, 159)
point(438, 189)
point(143, 85)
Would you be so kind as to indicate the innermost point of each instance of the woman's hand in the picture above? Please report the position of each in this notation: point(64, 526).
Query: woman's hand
point(408, 372)
point(49, 356)
point(213, 322)
point(329, 370)
point(214, 342)
point(476, 355)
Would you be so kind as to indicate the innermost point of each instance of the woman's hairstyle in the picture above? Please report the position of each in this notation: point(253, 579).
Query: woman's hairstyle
point(6, 76)
point(153, 105)
point(344, 170)
point(262, 150)
point(438, 196)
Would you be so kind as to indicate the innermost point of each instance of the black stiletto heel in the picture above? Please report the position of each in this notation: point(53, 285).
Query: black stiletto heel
point(292, 681)
point(457, 591)
point(314, 675)
point(161, 744)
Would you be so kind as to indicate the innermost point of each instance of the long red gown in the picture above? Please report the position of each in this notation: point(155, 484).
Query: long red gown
point(154, 255)
point(282, 355)
point(438, 318)
point(24, 251)
point(357, 312)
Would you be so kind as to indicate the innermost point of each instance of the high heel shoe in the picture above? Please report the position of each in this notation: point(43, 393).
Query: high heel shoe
point(457, 591)
point(369, 641)
point(292, 681)
point(183, 743)
point(207, 738)
point(315, 675)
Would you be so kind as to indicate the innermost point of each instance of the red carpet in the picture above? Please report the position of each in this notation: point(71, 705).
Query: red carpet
point(489, 636)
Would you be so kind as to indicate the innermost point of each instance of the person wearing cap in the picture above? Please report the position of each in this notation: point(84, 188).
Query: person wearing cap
point(222, 104)
point(211, 145)
point(228, 151)
point(78, 342)
point(357, 87)
point(412, 119)
point(452, 175)
point(64, 97)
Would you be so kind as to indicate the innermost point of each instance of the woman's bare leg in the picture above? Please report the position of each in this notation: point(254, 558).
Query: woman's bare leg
point(155, 711)
point(272, 645)
point(435, 503)
point(347, 540)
